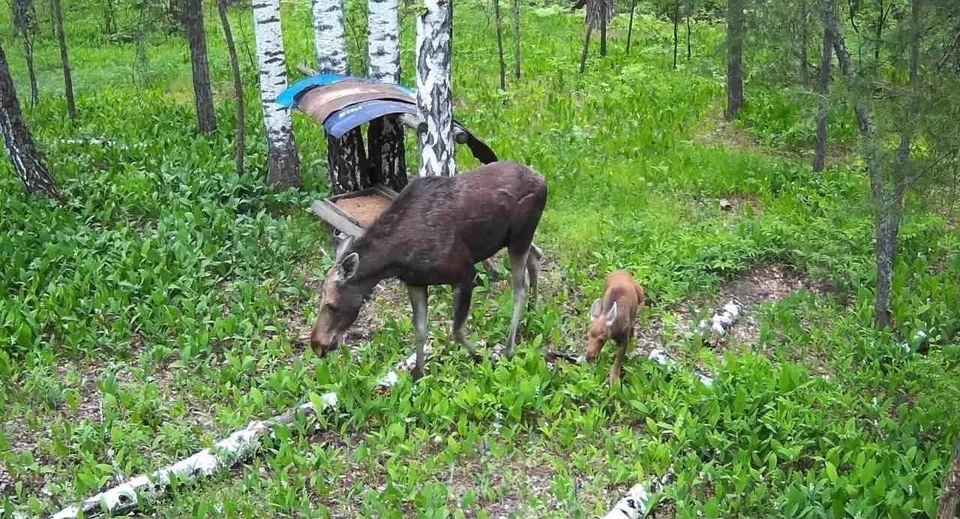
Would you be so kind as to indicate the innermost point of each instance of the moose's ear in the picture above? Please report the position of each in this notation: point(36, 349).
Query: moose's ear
point(347, 268)
point(595, 309)
point(344, 245)
point(612, 314)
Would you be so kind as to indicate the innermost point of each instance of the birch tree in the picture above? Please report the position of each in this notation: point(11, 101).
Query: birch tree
point(64, 58)
point(434, 89)
point(197, 39)
point(387, 157)
point(283, 163)
point(21, 149)
point(345, 156)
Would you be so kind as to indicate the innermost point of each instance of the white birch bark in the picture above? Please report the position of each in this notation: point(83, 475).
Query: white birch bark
point(434, 89)
point(346, 157)
point(636, 503)
point(385, 135)
point(237, 447)
point(383, 40)
point(330, 39)
point(283, 162)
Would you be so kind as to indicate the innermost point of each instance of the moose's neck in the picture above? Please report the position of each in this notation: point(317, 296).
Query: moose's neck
point(373, 263)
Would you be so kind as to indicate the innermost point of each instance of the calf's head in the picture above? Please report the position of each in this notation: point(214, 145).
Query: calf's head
point(599, 330)
point(340, 303)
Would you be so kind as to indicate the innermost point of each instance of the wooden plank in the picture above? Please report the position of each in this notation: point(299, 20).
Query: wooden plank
point(386, 191)
point(333, 216)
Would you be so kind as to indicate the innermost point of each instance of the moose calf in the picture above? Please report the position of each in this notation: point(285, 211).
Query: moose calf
point(613, 317)
point(435, 233)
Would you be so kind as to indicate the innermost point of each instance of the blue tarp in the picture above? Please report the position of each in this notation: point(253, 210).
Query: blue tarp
point(289, 97)
point(342, 121)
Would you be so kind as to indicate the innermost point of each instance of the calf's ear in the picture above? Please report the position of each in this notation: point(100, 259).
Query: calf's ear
point(612, 314)
point(595, 309)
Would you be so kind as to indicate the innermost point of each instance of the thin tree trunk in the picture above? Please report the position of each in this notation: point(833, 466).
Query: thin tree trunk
point(109, 18)
point(603, 30)
point(586, 48)
point(64, 58)
point(889, 202)
point(283, 162)
point(878, 37)
point(516, 38)
point(434, 95)
point(633, 7)
point(237, 84)
point(804, 41)
point(346, 156)
point(950, 495)
point(676, 34)
point(387, 157)
point(689, 49)
point(820, 152)
point(498, 21)
point(203, 94)
point(21, 149)
point(734, 58)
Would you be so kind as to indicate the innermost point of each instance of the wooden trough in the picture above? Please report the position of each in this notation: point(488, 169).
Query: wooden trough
point(351, 213)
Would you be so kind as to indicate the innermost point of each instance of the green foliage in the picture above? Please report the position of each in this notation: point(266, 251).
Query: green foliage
point(162, 308)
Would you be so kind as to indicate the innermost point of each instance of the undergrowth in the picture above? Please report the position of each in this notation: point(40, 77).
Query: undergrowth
point(163, 306)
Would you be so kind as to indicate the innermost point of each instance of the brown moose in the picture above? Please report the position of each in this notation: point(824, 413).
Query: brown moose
point(614, 317)
point(435, 233)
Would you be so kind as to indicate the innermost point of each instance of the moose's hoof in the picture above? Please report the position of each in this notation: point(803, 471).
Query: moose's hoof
point(476, 358)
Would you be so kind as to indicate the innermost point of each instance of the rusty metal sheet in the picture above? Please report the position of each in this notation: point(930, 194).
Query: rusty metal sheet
point(320, 102)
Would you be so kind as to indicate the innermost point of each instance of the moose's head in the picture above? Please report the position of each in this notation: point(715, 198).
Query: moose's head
point(343, 295)
point(599, 330)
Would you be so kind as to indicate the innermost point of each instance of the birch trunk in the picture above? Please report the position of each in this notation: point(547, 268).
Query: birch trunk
point(636, 503)
point(387, 156)
point(283, 163)
point(633, 7)
point(64, 58)
point(22, 150)
point(237, 85)
point(586, 49)
point(25, 23)
point(434, 95)
point(346, 158)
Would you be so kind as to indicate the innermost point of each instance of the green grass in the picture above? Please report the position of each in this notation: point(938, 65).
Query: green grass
point(161, 308)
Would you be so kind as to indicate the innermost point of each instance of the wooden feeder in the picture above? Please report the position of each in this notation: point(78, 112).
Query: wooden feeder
point(341, 103)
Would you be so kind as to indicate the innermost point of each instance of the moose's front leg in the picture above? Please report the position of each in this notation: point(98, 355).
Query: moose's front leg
point(616, 371)
point(418, 300)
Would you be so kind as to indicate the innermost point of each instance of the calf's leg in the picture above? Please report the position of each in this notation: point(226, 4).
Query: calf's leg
point(461, 310)
point(617, 369)
point(518, 272)
point(418, 300)
point(533, 271)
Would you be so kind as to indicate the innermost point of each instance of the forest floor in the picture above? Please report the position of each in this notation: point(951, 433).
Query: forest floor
point(170, 301)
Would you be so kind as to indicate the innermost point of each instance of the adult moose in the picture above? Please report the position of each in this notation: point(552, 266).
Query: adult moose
point(435, 233)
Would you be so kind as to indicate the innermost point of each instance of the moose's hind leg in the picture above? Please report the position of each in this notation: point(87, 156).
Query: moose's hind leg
point(461, 310)
point(518, 272)
point(418, 300)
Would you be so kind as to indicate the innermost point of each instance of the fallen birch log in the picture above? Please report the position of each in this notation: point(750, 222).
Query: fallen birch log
point(239, 446)
point(636, 503)
point(723, 318)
